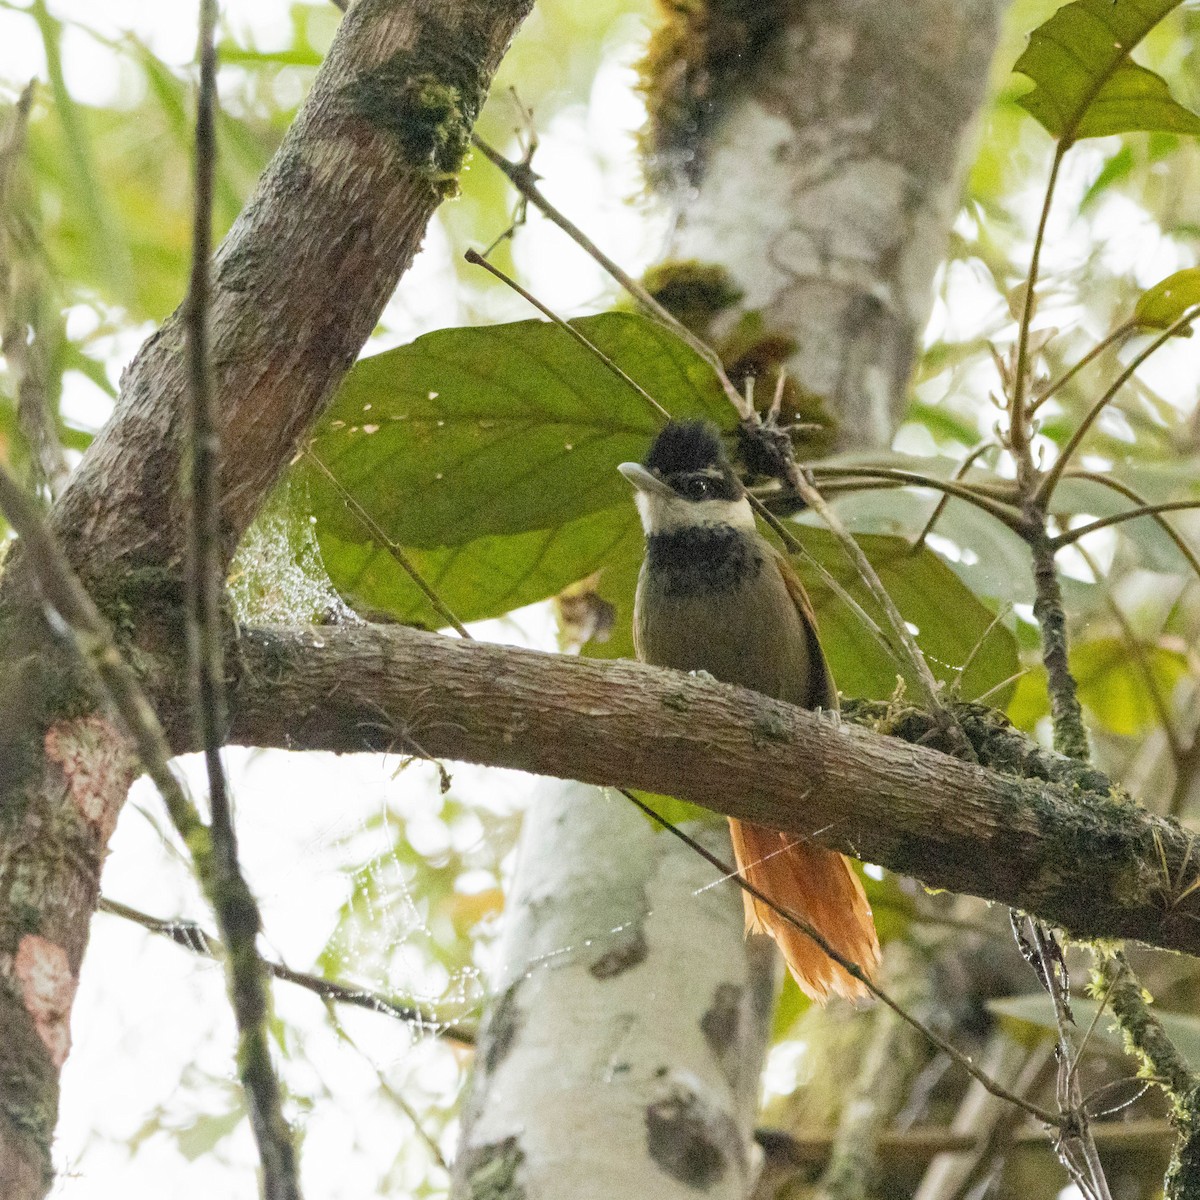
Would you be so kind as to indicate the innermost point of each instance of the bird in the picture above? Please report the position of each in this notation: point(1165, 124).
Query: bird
point(715, 597)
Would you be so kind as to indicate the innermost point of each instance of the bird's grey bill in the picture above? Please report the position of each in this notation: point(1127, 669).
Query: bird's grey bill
point(644, 480)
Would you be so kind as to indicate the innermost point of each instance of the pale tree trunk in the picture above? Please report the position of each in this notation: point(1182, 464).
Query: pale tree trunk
point(827, 191)
point(830, 184)
point(617, 1061)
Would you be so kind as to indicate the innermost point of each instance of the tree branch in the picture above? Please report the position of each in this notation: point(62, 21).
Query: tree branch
point(1061, 846)
point(299, 282)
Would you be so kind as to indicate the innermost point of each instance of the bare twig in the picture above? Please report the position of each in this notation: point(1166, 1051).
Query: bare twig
point(234, 903)
point(1117, 335)
point(397, 553)
point(523, 178)
point(1144, 510)
point(1130, 494)
point(1049, 481)
point(1018, 426)
point(961, 470)
point(385, 1086)
point(195, 938)
point(1002, 510)
point(476, 259)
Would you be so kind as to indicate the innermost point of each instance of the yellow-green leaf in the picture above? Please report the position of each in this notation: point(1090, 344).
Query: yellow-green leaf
point(1086, 84)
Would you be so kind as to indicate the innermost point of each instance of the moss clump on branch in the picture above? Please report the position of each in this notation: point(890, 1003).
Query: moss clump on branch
point(695, 62)
point(692, 291)
point(427, 99)
point(998, 745)
point(697, 294)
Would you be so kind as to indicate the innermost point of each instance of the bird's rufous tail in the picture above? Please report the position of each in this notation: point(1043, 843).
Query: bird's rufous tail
point(819, 886)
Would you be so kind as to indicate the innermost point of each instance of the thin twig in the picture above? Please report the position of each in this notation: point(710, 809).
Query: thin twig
point(523, 178)
point(385, 1086)
point(476, 259)
point(927, 684)
point(1055, 1120)
point(1130, 494)
point(1119, 334)
point(191, 936)
point(372, 527)
point(1000, 509)
point(1018, 430)
point(1144, 510)
point(1049, 481)
point(961, 470)
point(236, 908)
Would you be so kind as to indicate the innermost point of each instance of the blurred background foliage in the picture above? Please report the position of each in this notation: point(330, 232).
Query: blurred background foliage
point(383, 876)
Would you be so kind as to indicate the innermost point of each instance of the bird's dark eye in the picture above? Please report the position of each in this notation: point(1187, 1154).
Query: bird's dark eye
point(698, 488)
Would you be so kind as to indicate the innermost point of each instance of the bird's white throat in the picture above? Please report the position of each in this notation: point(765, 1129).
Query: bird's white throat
point(668, 514)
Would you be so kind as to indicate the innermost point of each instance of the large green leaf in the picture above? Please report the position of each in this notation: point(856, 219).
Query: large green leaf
point(486, 576)
point(500, 429)
point(489, 456)
point(1086, 85)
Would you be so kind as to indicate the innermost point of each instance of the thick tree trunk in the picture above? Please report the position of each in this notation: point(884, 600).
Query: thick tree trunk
point(298, 285)
point(615, 1061)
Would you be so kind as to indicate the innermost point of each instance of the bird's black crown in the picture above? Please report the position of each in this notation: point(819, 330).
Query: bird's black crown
point(690, 456)
point(685, 446)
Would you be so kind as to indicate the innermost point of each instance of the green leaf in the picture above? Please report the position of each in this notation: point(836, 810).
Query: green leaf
point(951, 625)
point(1085, 84)
point(1038, 1009)
point(1116, 687)
point(500, 429)
point(1168, 300)
point(486, 576)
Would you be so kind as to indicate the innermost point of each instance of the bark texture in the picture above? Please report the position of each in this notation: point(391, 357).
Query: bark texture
point(829, 183)
point(615, 1061)
point(1030, 830)
point(298, 284)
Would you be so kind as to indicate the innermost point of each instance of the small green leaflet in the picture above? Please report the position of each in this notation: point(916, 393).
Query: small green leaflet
point(1167, 301)
point(1086, 85)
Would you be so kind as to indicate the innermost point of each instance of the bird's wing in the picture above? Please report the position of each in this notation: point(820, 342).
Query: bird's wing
point(821, 692)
